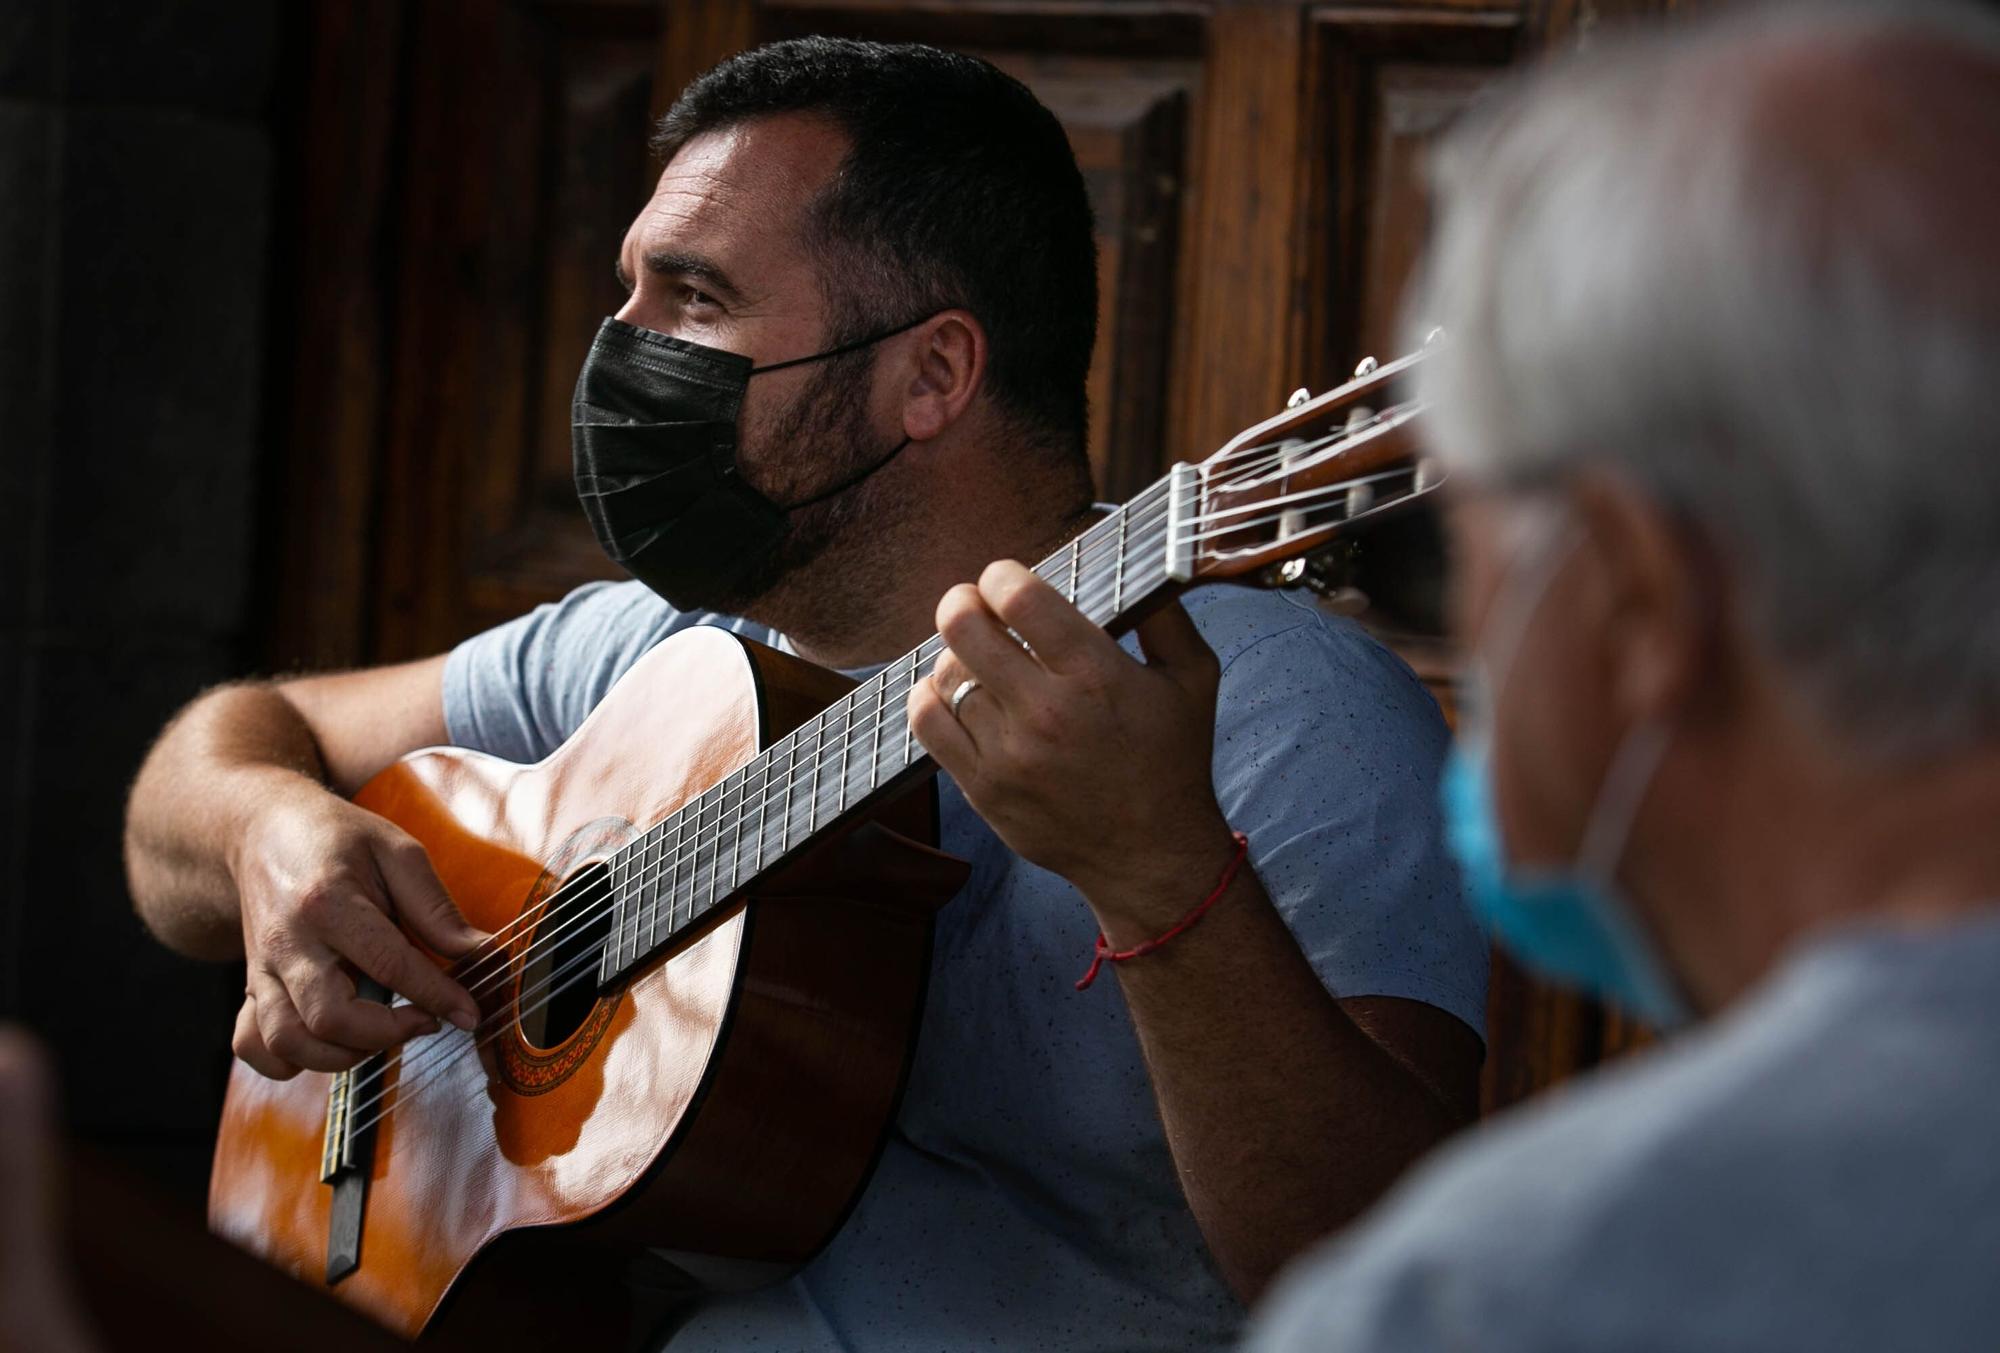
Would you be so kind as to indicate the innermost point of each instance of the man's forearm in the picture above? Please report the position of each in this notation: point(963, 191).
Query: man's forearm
point(225, 754)
point(1286, 1119)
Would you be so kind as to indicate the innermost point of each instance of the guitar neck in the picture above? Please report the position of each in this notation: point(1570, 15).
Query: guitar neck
point(761, 815)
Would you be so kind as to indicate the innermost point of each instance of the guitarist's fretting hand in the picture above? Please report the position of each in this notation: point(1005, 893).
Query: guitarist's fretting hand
point(1098, 767)
point(238, 842)
point(1088, 763)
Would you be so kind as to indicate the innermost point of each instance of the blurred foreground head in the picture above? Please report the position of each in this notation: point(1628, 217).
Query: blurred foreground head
point(1757, 269)
point(1722, 404)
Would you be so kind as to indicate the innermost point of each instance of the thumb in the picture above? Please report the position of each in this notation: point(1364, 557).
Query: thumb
point(1171, 643)
point(421, 902)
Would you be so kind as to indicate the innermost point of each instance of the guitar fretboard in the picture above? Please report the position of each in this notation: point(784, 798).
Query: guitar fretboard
point(757, 817)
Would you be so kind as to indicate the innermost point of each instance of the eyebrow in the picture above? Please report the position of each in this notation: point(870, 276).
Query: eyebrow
point(670, 263)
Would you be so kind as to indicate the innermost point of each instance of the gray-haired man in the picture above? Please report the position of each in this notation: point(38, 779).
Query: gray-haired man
point(1722, 399)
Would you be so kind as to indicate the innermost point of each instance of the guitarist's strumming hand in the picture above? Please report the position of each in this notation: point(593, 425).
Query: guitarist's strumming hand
point(320, 880)
point(1087, 762)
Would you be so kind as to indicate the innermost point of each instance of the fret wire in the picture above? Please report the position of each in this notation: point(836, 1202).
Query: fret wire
point(625, 918)
point(812, 797)
point(875, 746)
point(674, 877)
point(839, 786)
point(615, 938)
point(649, 860)
point(736, 842)
point(703, 857)
point(1118, 559)
point(785, 817)
point(763, 799)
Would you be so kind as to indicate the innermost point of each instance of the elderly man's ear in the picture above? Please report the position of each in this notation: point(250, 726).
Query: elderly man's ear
point(1653, 592)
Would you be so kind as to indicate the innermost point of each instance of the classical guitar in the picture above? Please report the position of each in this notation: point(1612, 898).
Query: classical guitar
point(712, 912)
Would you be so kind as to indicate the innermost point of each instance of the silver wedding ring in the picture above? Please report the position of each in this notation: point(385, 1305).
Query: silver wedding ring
point(965, 688)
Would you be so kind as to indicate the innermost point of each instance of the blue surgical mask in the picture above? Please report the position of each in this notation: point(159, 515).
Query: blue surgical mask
point(1566, 924)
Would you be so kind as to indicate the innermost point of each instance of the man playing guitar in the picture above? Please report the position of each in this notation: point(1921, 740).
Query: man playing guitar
point(898, 241)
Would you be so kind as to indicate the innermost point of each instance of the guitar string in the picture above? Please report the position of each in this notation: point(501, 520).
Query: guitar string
point(426, 1072)
point(1306, 497)
point(711, 874)
point(709, 869)
point(858, 726)
point(710, 864)
point(1272, 452)
point(823, 730)
point(1267, 504)
point(496, 946)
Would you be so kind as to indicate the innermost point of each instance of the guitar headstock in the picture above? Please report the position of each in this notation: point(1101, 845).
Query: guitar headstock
point(1292, 484)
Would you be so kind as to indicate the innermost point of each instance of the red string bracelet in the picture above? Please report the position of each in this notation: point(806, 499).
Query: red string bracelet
point(1103, 952)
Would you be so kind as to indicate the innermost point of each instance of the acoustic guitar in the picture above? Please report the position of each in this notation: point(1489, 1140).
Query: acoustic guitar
point(712, 911)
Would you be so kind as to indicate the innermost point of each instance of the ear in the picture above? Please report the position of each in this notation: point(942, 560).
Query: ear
point(948, 371)
point(1659, 616)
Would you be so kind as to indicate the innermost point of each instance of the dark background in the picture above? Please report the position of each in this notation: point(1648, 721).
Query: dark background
point(291, 297)
point(140, 151)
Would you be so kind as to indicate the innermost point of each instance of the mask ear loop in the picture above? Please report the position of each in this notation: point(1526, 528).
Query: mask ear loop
point(1521, 596)
point(844, 348)
point(849, 482)
point(894, 451)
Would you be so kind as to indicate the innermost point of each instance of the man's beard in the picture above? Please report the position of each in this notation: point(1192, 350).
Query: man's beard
point(830, 416)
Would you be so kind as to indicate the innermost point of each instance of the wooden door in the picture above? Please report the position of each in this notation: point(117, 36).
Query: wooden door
point(466, 169)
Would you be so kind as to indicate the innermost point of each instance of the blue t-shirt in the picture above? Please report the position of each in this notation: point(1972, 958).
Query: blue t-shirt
point(1817, 1171)
point(1027, 1198)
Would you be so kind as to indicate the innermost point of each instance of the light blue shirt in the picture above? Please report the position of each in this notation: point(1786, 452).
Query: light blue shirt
point(1817, 1171)
point(1026, 1198)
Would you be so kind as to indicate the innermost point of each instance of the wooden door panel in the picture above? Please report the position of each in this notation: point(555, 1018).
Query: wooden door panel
point(1387, 85)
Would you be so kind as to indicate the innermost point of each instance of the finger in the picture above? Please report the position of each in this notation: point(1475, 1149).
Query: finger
point(248, 1045)
point(286, 1035)
point(334, 1012)
point(1171, 642)
point(420, 900)
point(948, 674)
point(371, 942)
point(981, 644)
point(1064, 639)
point(944, 737)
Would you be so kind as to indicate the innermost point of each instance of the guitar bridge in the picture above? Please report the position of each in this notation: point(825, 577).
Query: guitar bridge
point(347, 1151)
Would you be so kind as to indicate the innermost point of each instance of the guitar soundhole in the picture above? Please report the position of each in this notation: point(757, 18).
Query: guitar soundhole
point(559, 980)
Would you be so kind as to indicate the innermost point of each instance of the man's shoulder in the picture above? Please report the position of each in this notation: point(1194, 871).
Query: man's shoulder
point(518, 690)
point(1790, 1138)
point(1263, 626)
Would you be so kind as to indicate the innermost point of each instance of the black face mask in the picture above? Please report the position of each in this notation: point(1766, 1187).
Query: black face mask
point(653, 429)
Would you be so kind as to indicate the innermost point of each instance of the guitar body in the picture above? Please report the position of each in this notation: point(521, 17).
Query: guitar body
point(723, 1107)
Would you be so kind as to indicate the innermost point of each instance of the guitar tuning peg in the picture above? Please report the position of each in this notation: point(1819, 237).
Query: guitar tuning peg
point(1366, 367)
point(1299, 396)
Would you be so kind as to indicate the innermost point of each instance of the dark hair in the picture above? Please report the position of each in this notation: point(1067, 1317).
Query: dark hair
point(959, 189)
